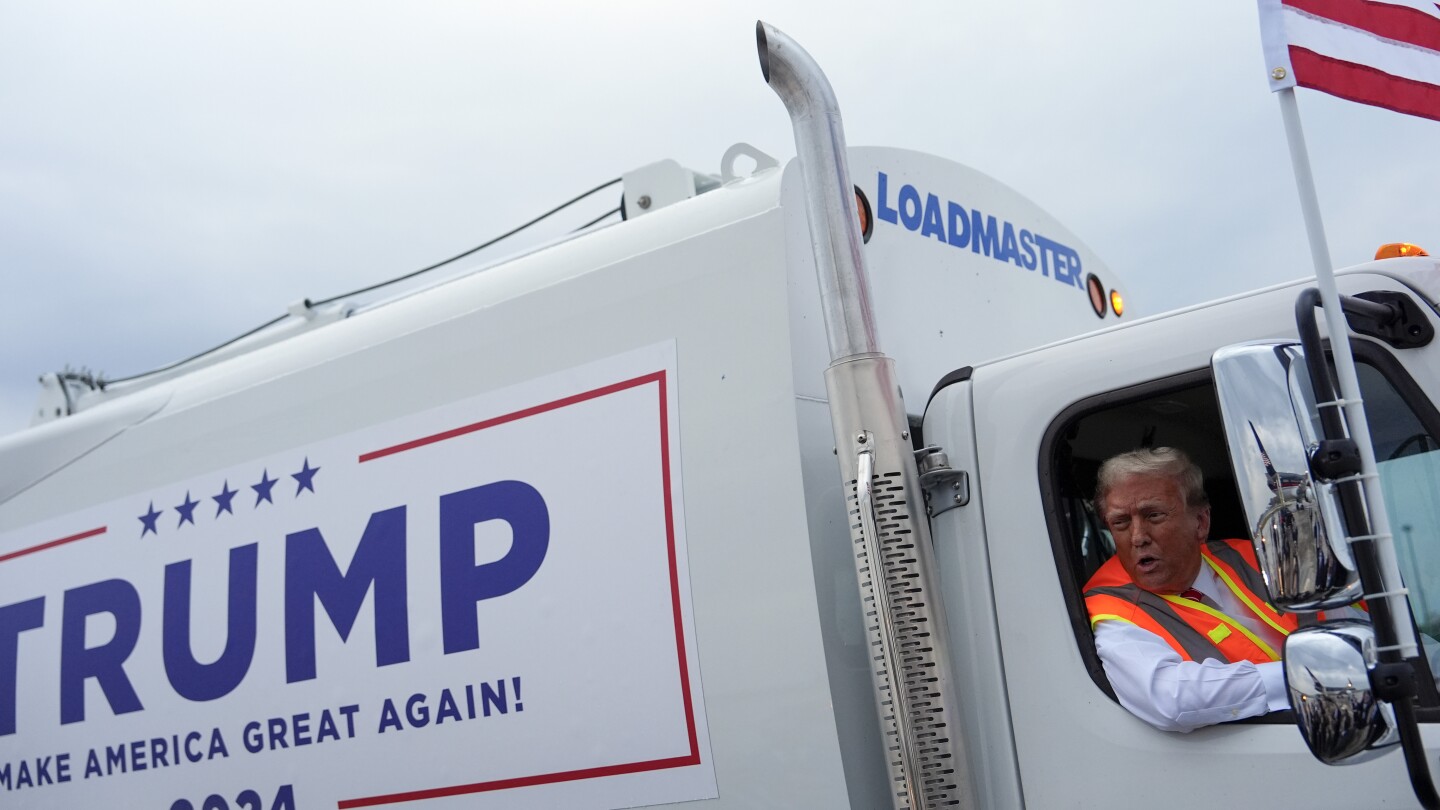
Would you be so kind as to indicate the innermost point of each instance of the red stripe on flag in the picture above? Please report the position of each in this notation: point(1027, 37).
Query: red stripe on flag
point(1399, 23)
point(1364, 84)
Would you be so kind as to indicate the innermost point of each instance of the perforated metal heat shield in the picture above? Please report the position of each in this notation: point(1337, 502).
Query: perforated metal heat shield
point(894, 561)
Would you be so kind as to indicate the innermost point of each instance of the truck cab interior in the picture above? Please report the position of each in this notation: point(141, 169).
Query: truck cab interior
point(1180, 412)
point(1183, 412)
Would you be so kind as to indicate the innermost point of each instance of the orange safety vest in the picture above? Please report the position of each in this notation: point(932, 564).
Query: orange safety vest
point(1194, 630)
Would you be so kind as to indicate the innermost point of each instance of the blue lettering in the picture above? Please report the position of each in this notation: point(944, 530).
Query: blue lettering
point(417, 712)
point(277, 733)
point(1051, 250)
point(1065, 260)
point(252, 737)
point(999, 239)
point(462, 582)
point(14, 620)
point(494, 696)
point(447, 710)
point(106, 662)
point(909, 207)
point(959, 225)
point(327, 730)
point(389, 718)
point(883, 210)
point(311, 573)
point(349, 712)
point(191, 753)
point(1047, 250)
point(1073, 263)
point(190, 678)
point(933, 224)
point(984, 234)
point(301, 724)
point(1009, 251)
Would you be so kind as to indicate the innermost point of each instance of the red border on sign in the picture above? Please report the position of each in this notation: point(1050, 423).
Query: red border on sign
point(62, 541)
point(693, 758)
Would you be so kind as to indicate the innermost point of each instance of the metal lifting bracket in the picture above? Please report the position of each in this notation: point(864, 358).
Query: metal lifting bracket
point(945, 487)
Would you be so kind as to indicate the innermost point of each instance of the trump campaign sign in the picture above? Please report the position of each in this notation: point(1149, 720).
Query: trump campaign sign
point(482, 605)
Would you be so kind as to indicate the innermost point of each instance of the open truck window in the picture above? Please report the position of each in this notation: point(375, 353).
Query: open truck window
point(1182, 412)
point(1179, 412)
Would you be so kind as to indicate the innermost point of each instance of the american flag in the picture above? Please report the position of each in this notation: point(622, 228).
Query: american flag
point(1380, 52)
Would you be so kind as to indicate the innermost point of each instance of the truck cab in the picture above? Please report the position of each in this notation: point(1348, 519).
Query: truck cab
point(1035, 426)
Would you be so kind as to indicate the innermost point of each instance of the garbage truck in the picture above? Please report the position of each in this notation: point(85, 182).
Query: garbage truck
point(777, 493)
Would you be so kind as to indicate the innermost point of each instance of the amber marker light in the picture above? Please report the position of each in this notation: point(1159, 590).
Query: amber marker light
point(1117, 303)
point(1097, 294)
point(1396, 250)
point(862, 206)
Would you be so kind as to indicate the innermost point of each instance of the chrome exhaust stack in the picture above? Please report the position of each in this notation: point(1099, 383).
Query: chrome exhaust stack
point(890, 533)
point(829, 195)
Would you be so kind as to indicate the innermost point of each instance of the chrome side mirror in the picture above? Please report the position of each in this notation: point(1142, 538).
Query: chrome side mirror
point(1267, 407)
point(1327, 672)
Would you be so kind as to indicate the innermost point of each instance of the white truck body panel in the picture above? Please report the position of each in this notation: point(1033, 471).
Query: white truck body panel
point(769, 700)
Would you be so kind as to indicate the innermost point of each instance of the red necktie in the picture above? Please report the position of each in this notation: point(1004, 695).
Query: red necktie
point(1191, 593)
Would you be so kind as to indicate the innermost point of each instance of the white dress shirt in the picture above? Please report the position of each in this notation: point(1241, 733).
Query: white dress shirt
point(1172, 694)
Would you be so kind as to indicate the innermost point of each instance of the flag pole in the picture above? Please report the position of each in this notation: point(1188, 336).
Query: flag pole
point(1392, 588)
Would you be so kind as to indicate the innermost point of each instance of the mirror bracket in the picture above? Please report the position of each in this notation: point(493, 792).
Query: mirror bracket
point(1393, 681)
point(1397, 319)
point(1335, 458)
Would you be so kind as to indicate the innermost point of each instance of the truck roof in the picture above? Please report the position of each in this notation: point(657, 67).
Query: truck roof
point(1420, 274)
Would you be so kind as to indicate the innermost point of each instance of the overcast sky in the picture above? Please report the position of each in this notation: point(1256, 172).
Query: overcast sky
point(175, 173)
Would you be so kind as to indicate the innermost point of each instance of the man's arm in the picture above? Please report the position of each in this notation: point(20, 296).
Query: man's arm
point(1172, 694)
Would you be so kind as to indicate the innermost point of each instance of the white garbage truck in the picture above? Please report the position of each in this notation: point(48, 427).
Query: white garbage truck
point(775, 494)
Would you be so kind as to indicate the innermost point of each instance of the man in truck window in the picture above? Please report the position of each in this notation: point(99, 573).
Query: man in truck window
point(1181, 624)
